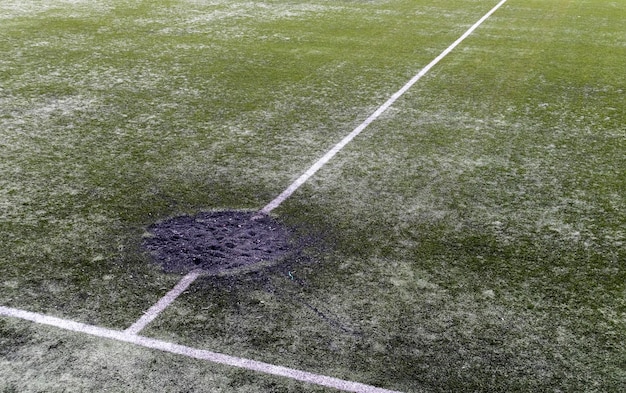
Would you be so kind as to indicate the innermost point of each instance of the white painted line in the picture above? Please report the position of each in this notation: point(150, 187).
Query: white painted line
point(331, 153)
point(163, 303)
point(195, 353)
point(130, 335)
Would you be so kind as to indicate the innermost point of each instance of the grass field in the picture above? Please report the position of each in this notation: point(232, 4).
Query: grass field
point(470, 239)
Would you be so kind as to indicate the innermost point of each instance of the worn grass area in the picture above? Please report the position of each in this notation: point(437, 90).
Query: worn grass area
point(472, 239)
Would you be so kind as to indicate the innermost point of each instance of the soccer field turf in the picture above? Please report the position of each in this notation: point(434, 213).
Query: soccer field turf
point(471, 238)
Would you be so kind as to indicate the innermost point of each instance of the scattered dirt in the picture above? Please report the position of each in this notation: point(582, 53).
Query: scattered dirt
point(216, 241)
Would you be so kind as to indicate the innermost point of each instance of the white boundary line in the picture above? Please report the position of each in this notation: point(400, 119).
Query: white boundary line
point(331, 153)
point(195, 353)
point(163, 303)
point(130, 335)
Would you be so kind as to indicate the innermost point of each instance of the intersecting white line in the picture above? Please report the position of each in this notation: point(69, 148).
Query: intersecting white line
point(163, 303)
point(195, 353)
point(130, 335)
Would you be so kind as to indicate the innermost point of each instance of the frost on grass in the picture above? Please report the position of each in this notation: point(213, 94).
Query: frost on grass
point(18, 8)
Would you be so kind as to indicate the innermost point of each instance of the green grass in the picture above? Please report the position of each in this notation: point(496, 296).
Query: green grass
point(471, 239)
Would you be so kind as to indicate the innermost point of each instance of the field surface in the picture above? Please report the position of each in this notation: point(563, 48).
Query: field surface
point(471, 239)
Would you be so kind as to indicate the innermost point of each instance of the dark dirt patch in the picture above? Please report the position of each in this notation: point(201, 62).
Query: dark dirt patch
point(216, 241)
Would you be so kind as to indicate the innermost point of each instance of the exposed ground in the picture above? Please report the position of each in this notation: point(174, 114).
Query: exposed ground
point(217, 241)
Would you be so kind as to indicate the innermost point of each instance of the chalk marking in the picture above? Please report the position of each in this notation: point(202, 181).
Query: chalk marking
point(331, 153)
point(130, 335)
point(200, 354)
point(163, 303)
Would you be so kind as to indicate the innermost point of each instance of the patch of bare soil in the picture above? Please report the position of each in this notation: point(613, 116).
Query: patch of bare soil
point(216, 241)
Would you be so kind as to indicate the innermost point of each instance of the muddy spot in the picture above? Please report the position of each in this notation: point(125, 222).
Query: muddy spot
point(216, 241)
